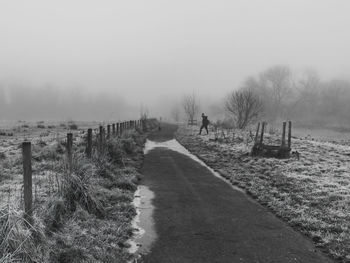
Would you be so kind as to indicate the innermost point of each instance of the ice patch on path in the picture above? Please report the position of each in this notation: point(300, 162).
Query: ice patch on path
point(143, 223)
point(174, 145)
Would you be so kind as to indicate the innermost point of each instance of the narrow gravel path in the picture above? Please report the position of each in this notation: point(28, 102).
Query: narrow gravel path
point(200, 218)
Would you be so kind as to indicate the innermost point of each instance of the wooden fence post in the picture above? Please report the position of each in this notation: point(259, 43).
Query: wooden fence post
point(89, 144)
point(113, 129)
point(257, 133)
point(289, 134)
point(100, 140)
point(262, 132)
point(108, 131)
point(69, 151)
point(27, 181)
point(284, 134)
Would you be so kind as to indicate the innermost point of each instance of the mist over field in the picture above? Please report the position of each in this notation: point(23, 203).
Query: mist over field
point(89, 61)
point(52, 103)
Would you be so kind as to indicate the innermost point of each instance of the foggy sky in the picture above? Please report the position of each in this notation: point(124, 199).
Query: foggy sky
point(153, 51)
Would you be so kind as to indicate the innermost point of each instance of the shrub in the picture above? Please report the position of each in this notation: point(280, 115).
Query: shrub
point(128, 144)
point(55, 212)
point(115, 151)
point(49, 152)
point(72, 126)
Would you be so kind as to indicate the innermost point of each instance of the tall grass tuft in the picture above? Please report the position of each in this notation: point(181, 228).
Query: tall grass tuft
point(18, 239)
point(77, 187)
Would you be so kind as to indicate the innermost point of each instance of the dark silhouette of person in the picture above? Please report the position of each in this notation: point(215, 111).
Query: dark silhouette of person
point(205, 123)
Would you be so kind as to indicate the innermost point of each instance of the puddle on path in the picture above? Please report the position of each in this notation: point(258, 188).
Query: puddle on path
point(177, 147)
point(143, 222)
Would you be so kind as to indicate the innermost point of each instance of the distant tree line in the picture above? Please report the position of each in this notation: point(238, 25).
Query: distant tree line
point(277, 94)
point(50, 102)
point(306, 99)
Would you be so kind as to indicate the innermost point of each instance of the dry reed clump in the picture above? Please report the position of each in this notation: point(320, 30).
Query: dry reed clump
point(128, 145)
point(77, 187)
point(72, 125)
point(123, 178)
point(114, 151)
point(136, 135)
point(20, 241)
point(54, 215)
point(52, 152)
point(2, 156)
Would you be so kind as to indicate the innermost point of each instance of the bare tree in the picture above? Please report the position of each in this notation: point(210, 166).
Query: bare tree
point(276, 82)
point(308, 92)
point(175, 113)
point(244, 105)
point(143, 112)
point(190, 106)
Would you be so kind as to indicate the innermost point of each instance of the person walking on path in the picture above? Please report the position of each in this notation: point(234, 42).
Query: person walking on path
point(205, 123)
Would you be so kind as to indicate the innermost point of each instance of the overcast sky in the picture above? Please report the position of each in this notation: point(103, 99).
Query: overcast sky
point(152, 50)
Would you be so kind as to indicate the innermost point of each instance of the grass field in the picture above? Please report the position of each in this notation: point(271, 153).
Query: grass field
point(84, 216)
point(311, 194)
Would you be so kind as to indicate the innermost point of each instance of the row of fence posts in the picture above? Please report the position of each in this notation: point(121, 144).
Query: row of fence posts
point(117, 130)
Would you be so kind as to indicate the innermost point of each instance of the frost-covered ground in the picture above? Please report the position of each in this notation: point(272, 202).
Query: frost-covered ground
point(312, 194)
point(82, 216)
point(48, 139)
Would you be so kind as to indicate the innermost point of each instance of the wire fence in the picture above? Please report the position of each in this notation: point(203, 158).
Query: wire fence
point(41, 177)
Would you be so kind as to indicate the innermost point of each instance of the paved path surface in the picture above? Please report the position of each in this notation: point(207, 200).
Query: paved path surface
point(200, 218)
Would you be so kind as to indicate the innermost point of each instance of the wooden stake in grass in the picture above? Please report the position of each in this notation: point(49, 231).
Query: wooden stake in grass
point(262, 132)
point(117, 127)
point(284, 134)
point(69, 151)
point(257, 133)
point(89, 143)
point(108, 131)
point(113, 129)
point(27, 181)
point(100, 139)
point(289, 134)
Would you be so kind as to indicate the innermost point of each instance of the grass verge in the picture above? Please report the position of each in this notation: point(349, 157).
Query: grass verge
point(79, 216)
